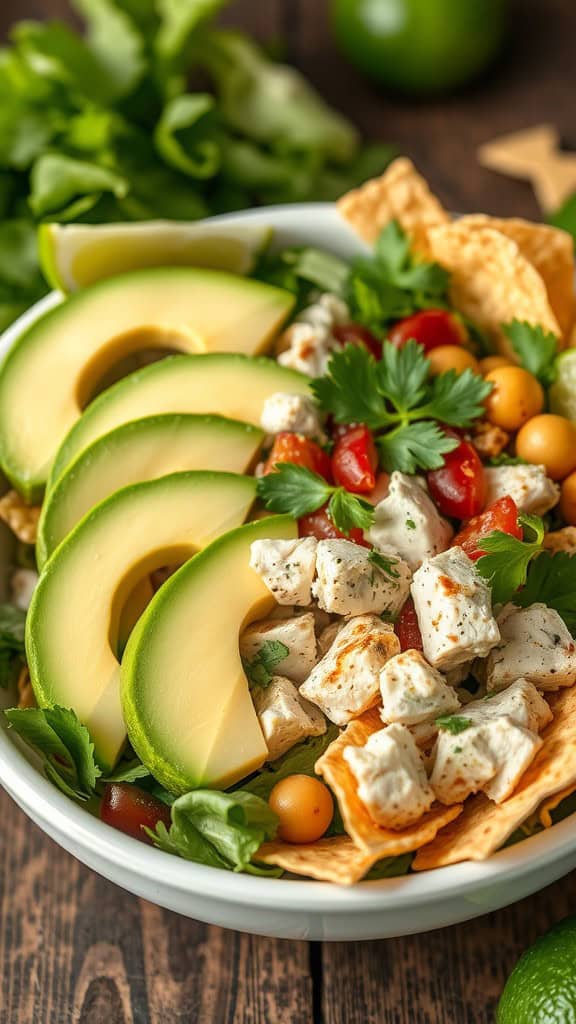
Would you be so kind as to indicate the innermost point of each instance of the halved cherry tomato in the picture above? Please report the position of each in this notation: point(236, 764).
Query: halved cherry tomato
point(502, 515)
point(430, 328)
point(318, 524)
point(302, 451)
point(356, 334)
point(407, 629)
point(459, 486)
point(129, 809)
point(355, 460)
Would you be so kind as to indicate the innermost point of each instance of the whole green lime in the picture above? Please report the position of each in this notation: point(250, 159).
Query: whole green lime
point(420, 46)
point(542, 986)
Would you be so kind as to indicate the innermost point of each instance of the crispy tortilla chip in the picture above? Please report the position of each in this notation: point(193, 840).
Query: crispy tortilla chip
point(492, 282)
point(549, 805)
point(329, 860)
point(550, 251)
point(366, 833)
point(399, 194)
point(21, 518)
point(484, 826)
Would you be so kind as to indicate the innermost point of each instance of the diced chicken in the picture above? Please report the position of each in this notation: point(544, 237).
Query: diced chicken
point(491, 756)
point(349, 583)
point(287, 568)
point(328, 311)
point(22, 587)
point(456, 676)
point(528, 486)
point(489, 440)
point(297, 634)
point(328, 636)
point(295, 413)
point(520, 702)
point(347, 680)
point(391, 777)
point(308, 343)
point(561, 540)
point(408, 522)
point(285, 718)
point(454, 610)
point(535, 645)
point(413, 692)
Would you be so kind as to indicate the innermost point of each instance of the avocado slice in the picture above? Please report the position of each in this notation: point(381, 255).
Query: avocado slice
point(142, 450)
point(231, 385)
point(185, 696)
point(54, 369)
point(73, 625)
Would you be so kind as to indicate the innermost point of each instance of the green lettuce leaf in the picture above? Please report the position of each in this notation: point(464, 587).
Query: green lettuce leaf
point(186, 138)
point(65, 744)
point(116, 42)
point(12, 626)
point(57, 180)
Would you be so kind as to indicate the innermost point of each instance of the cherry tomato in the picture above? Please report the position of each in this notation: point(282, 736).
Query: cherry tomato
point(502, 515)
point(356, 334)
point(304, 806)
point(431, 328)
point(550, 441)
point(129, 808)
point(459, 486)
point(568, 499)
point(451, 357)
point(381, 488)
point(516, 396)
point(302, 451)
point(354, 460)
point(318, 524)
point(407, 629)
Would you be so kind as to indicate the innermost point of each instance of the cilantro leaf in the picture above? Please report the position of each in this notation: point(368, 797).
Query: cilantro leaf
point(552, 580)
point(12, 623)
point(457, 398)
point(260, 669)
point(505, 565)
point(414, 446)
point(384, 563)
point(348, 511)
point(297, 491)
point(401, 375)
point(453, 723)
point(565, 216)
point(65, 744)
point(349, 390)
point(503, 459)
point(127, 771)
point(536, 348)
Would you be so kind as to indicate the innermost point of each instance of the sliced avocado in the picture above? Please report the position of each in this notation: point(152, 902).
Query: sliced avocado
point(73, 625)
point(231, 385)
point(185, 696)
point(142, 450)
point(54, 369)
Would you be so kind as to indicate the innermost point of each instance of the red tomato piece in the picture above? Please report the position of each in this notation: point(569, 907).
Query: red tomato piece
point(318, 524)
point(502, 515)
point(430, 328)
point(129, 809)
point(355, 460)
point(407, 629)
point(356, 334)
point(459, 486)
point(301, 451)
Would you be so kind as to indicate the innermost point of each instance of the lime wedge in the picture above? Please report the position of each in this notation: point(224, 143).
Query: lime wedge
point(563, 391)
point(75, 255)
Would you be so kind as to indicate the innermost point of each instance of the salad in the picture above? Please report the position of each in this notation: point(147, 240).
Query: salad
point(300, 595)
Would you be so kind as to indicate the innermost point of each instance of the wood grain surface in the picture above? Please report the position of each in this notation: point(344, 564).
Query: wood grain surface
point(73, 947)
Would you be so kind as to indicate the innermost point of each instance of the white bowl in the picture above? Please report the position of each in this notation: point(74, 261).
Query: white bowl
point(285, 907)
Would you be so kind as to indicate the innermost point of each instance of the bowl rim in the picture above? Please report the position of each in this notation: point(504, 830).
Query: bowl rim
point(55, 812)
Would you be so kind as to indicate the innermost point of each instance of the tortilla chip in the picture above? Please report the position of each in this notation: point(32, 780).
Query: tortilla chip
point(329, 860)
point(21, 518)
point(549, 805)
point(550, 251)
point(399, 194)
point(365, 832)
point(484, 826)
point(492, 282)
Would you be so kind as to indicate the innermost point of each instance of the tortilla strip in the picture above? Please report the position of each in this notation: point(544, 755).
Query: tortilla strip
point(399, 194)
point(336, 859)
point(484, 826)
point(492, 282)
point(550, 251)
point(365, 832)
point(21, 518)
point(549, 805)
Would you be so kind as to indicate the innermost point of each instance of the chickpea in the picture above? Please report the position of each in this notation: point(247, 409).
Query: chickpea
point(490, 363)
point(568, 499)
point(549, 441)
point(516, 396)
point(451, 357)
point(304, 807)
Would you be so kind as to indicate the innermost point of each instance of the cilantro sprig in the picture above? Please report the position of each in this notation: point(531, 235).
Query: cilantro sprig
point(453, 723)
point(552, 580)
point(385, 563)
point(536, 348)
point(505, 564)
point(298, 491)
point(401, 403)
point(260, 669)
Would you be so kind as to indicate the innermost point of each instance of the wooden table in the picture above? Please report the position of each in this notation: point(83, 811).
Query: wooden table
point(74, 948)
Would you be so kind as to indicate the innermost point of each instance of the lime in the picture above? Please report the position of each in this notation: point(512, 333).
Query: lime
point(562, 393)
point(75, 255)
point(420, 46)
point(542, 986)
